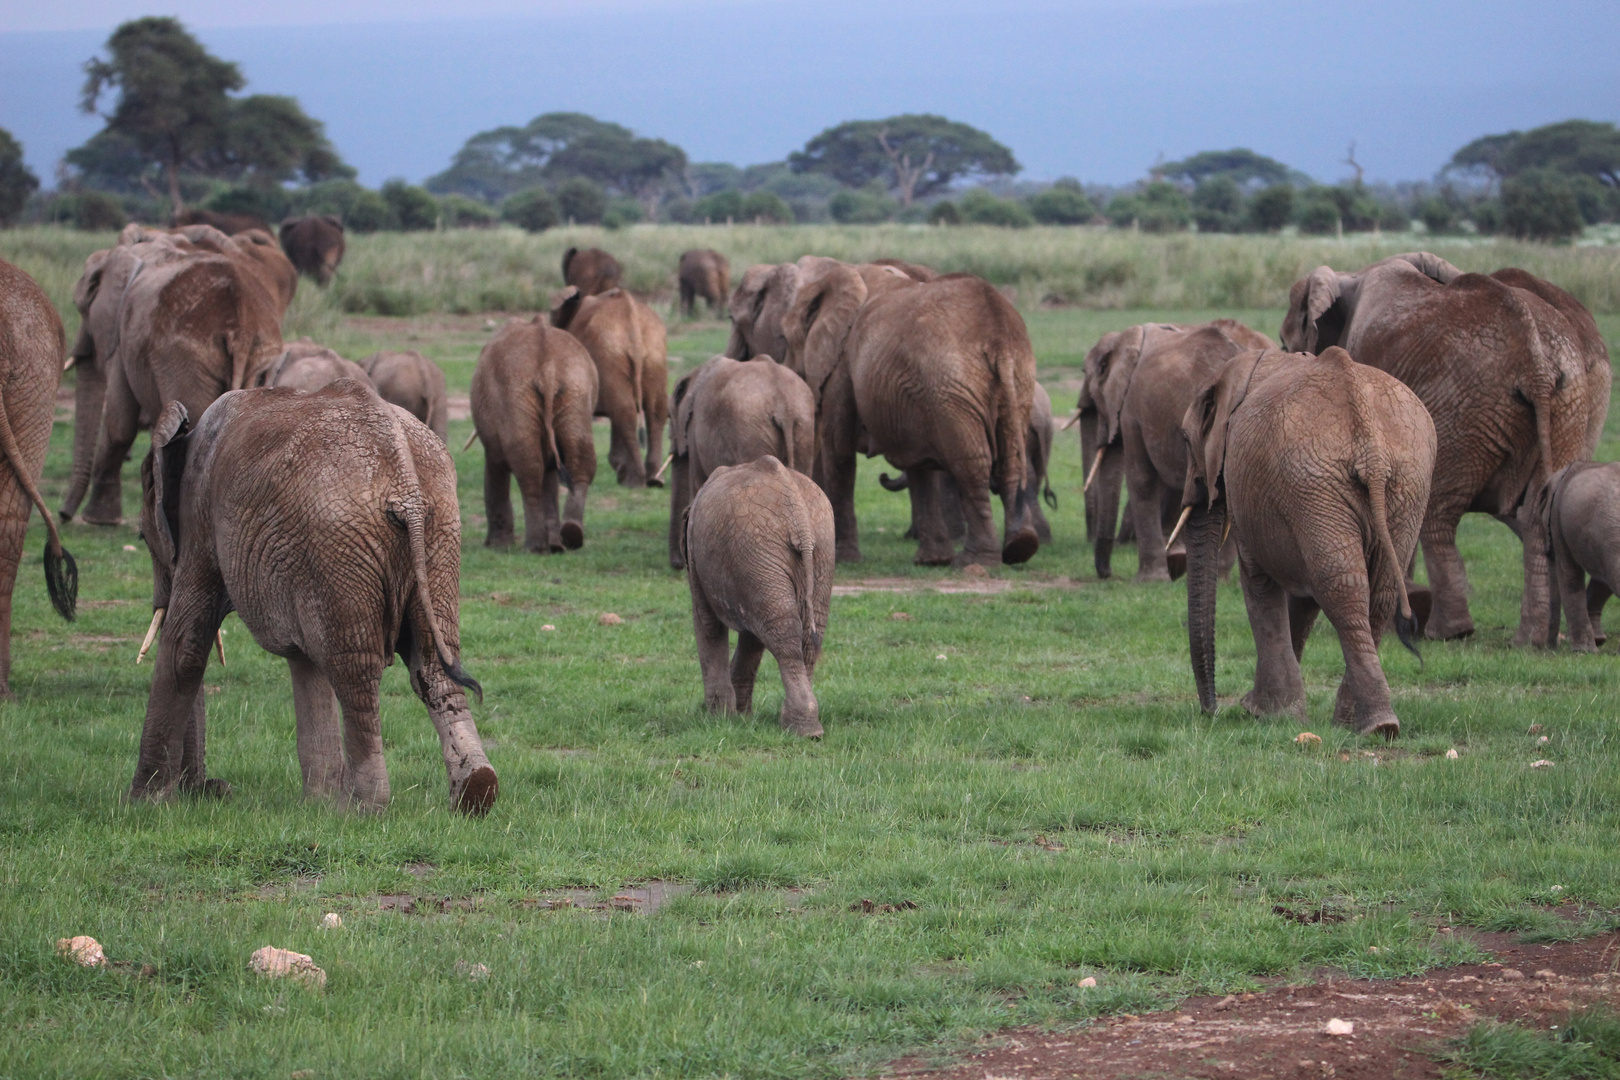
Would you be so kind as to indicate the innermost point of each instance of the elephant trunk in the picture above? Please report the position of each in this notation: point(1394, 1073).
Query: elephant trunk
point(89, 395)
point(680, 497)
point(1204, 530)
point(1110, 476)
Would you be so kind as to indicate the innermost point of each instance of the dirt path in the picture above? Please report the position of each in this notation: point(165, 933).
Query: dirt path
point(1397, 1024)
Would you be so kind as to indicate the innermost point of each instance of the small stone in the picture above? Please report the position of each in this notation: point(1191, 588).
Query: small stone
point(1307, 738)
point(1339, 1027)
point(1544, 740)
point(974, 570)
point(1087, 983)
point(129, 547)
point(285, 964)
point(475, 972)
point(82, 950)
point(548, 626)
point(1452, 755)
point(331, 921)
point(1556, 888)
point(1542, 764)
point(1536, 729)
point(607, 618)
point(1512, 974)
point(941, 656)
point(1225, 1003)
point(900, 616)
point(301, 1074)
point(1184, 1019)
point(1373, 949)
point(1544, 973)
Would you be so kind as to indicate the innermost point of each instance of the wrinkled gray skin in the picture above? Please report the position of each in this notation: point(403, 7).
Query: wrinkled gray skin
point(626, 341)
point(1512, 369)
point(1580, 518)
point(533, 393)
point(314, 244)
point(1322, 467)
point(304, 365)
point(414, 383)
point(329, 523)
point(707, 273)
point(761, 299)
point(759, 560)
point(732, 412)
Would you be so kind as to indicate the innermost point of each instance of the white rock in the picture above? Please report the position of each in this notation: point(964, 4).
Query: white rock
point(1339, 1027)
point(941, 656)
point(1088, 982)
point(1542, 764)
point(548, 626)
point(82, 950)
point(129, 547)
point(331, 921)
point(1452, 754)
point(285, 964)
point(1544, 740)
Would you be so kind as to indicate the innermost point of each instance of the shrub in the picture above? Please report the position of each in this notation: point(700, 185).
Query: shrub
point(1064, 203)
point(1318, 213)
point(368, 213)
point(767, 208)
point(532, 209)
point(1438, 215)
point(1271, 208)
point(410, 208)
point(679, 211)
point(360, 209)
point(1540, 204)
point(92, 211)
point(270, 204)
point(17, 181)
point(944, 212)
point(621, 212)
point(579, 200)
point(861, 206)
point(1159, 207)
point(1486, 216)
point(1597, 200)
point(1391, 218)
point(460, 212)
point(721, 206)
point(1217, 205)
point(979, 207)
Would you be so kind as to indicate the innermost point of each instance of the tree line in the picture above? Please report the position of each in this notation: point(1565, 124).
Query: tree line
point(177, 132)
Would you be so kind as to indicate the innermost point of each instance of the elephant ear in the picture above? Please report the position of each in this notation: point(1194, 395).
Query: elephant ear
point(1432, 266)
point(170, 437)
point(568, 257)
point(1206, 422)
point(1095, 360)
point(828, 299)
point(681, 408)
point(1322, 291)
point(565, 307)
point(1114, 382)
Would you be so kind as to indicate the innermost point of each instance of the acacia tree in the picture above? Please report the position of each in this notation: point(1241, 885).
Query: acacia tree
point(1241, 165)
point(17, 180)
point(1572, 147)
point(915, 155)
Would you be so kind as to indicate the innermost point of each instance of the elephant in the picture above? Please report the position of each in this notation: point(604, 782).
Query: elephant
point(591, 271)
point(1142, 385)
point(1320, 466)
point(32, 345)
point(314, 244)
point(1579, 515)
point(762, 297)
point(253, 249)
point(414, 383)
point(707, 273)
point(935, 375)
point(304, 365)
point(626, 341)
point(757, 543)
point(914, 271)
point(1515, 375)
point(229, 224)
point(732, 412)
point(163, 320)
point(328, 522)
point(533, 394)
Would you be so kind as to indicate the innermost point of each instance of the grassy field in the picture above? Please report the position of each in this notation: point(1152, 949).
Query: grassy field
point(1016, 777)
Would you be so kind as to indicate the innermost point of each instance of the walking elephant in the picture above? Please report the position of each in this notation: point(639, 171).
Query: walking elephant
point(707, 273)
point(533, 394)
point(1580, 518)
point(732, 412)
point(328, 522)
point(414, 383)
point(1320, 467)
point(626, 341)
point(591, 271)
point(229, 224)
point(304, 365)
point(315, 245)
point(762, 297)
point(1515, 375)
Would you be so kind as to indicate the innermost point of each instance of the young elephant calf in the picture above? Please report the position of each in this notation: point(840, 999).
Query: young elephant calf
point(1580, 511)
point(759, 550)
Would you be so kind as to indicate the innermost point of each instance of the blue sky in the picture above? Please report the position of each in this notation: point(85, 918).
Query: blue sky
point(1098, 90)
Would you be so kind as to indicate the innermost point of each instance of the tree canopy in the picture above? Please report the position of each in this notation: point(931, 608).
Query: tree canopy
point(1572, 147)
point(914, 155)
point(1240, 165)
point(17, 181)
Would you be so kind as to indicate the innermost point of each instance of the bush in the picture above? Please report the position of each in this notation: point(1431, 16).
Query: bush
point(1597, 200)
point(410, 208)
point(532, 209)
point(1064, 203)
point(979, 207)
point(1318, 213)
point(1159, 207)
point(1391, 218)
point(1271, 208)
point(17, 181)
point(360, 209)
point(861, 206)
point(1540, 204)
point(1486, 216)
point(721, 206)
point(767, 208)
point(460, 212)
point(368, 213)
point(270, 204)
point(1438, 215)
point(581, 201)
point(679, 211)
point(944, 212)
point(621, 212)
point(1217, 205)
point(92, 211)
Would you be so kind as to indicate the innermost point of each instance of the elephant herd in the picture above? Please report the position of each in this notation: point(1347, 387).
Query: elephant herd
point(315, 496)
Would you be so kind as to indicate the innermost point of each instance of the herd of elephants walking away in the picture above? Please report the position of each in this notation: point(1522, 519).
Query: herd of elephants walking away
point(316, 498)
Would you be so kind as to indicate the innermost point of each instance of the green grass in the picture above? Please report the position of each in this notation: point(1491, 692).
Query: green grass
point(1046, 795)
point(1585, 1047)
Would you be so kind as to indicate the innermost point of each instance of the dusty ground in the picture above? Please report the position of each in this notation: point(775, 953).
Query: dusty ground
point(1399, 1025)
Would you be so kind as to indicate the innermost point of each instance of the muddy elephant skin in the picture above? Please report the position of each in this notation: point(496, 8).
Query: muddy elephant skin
point(1515, 375)
point(414, 383)
point(315, 244)
point(1320, 466)
point(1580, 520)
point(731, 412)
point(229, 224)
point(533, 394)
point(761, 299)
point(626, 341)
point(328, 522)
point(704, 272)
point(591, 271)
point(759, 560)
point(306, 366)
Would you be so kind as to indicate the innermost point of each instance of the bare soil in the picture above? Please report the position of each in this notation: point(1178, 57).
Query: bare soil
point(1400, 1025)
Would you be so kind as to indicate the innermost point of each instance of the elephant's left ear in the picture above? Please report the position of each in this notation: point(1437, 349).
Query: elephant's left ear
point(566, 306)
point(1197, 424)
point(171, 436)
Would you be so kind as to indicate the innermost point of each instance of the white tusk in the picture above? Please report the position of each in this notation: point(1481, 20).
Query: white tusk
point(1070, 422)
point(1226, 531)
point(151, 633)
point(659, 475)
point(1096, 463)
point(68, 365)
point(219, 643)
point(1186, 512)
point(469, 441)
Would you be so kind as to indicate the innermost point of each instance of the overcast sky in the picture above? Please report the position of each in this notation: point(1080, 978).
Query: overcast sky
point(1097, 89)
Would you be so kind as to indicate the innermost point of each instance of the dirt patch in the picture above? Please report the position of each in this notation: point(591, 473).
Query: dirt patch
point(645, 898)
point(407, 904)
point(1397, 1026)
point(968, 584)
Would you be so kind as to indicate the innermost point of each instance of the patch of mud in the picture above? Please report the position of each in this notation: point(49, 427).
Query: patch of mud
point(968, 584)
point(408, 904)
point(284, 890)
point(1399, 1025)
point(644, 898)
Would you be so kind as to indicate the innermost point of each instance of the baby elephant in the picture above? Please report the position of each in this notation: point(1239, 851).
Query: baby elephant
point(414, 383)
point(759, 550)
point(1580, 510)
point(304, 365)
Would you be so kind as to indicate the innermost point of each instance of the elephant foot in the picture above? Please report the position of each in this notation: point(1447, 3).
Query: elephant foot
point(106, 522)
point(1176, 564)
point(654, 482)
point(934, 556)
point(910, 533)
point(1102, 558)
point(1158, 573)
point(1444, 626)
point(1020, 547)
point(1532, 633)
point(1256, 703)
point(977, 558)
point(498, 540)
point(573, 535)
point(211, 788)
point(807, 726)
point(677, 563)
point(478, 792)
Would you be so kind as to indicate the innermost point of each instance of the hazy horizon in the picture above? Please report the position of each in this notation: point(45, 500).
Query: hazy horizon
point(1096, 90)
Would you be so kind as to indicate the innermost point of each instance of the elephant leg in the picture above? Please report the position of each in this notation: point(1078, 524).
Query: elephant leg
point(194, 778)
point(713, 640)
point(655, 411)
point(680, 497)
point(532, 479)
point(550, 521)
point(174, 703)
point(1570, 581)
point(497, 502)
point(354, 677)
point(89, 394)
point(687, 296)
point(836, 460)
point(927, 489)
point(120, 419)
point(1020, 541)
point(1448, 580)
point(624, 454)
point(840, 476)
point(320, 730)
point(1363, 701)
point(973, 480)
point(473, 784)
point(1152, 564)
point(572, 531)
point(801, 714)
point(1302, 612)
point(744, 669)
point(1597, 594)
point(1278, 686)
point(1110, 474)
point(1533, 601)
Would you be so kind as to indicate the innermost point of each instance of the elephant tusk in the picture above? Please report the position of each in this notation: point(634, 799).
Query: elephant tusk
point(1226, 531)
point(1186, 512)
point(1096, 463)
point(68, 365)
point(1070, 422)
point(466, 445)
point(151, 633)
point(659, 475)
point(219, 643)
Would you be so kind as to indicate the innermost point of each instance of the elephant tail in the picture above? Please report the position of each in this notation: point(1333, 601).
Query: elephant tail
point(1011, 424)
point(61, 572)
point(1373, 468)
point(548, 432)
point(802, 539)
point(782, 417)
point(410, 507)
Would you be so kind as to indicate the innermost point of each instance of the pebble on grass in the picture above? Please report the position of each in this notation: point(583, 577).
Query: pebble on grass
point(331, 921)
point(1308, 738)
point(1542, 764)
point(1087, 983)
point(275, 963)
point(82, 950)
point(1339, 1027)
point(607, 618)
point(1452, 754)
point(548, 626)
